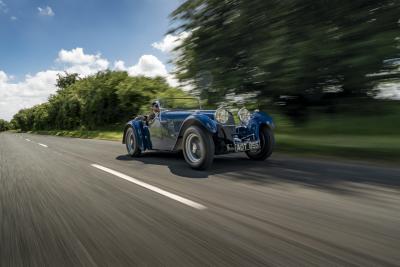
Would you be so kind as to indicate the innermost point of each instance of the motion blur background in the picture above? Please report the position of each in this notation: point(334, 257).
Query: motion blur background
point(328, 71)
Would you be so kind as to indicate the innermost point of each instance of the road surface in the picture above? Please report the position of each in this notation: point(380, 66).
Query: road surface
point(75, 202)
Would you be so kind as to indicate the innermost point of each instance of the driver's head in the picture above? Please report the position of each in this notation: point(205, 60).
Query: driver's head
point(155, 107)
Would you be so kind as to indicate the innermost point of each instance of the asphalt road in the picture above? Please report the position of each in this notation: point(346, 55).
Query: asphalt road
point(75, 202)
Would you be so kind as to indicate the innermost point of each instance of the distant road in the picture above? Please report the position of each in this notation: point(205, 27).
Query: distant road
point(75, 202)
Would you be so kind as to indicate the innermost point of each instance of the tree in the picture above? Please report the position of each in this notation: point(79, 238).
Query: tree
point(4, 125)
point(24, 119)
point(95, 101)
point(135, 93)
point(308, 50)
point(66, 80)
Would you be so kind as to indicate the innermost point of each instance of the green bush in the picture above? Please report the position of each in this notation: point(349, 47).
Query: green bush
point(103, 99)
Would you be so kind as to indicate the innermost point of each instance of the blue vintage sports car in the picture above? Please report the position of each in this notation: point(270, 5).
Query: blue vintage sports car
point(199, 133)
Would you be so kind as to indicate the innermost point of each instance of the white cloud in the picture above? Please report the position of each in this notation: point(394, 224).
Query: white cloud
point(170, 42)
point(3, 7)
point(3, 77)
point(46, 11)
point(76, 56)
point(85, 64)
point(31, 91)
point(119, 65)
point(35, 89)
point(149, 66)
point(13, 18)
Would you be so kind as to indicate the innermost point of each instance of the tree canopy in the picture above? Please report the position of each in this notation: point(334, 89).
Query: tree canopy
point(308, 50)
point(4, 125)
point(99, 100)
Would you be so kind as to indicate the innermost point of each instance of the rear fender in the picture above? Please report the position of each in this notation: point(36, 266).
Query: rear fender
point(141, 132)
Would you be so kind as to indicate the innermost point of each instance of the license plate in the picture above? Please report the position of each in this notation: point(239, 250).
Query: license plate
point(241, 147)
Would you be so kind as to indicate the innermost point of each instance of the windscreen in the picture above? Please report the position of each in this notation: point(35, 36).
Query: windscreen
point(180, 103)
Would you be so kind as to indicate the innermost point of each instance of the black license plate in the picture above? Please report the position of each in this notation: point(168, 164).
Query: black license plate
point(246, 146)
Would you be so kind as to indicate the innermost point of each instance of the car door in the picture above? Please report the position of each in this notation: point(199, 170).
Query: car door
point(169, 131)
point(160, 132)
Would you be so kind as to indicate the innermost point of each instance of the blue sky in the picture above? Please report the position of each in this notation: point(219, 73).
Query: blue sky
point(119, 29)
point(39, 39)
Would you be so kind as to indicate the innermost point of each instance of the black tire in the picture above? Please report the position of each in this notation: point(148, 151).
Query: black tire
point(267, 142)
point(198, 148)
point(132, 145)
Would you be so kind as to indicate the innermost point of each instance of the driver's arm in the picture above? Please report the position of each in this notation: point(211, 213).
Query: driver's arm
point(151, 117)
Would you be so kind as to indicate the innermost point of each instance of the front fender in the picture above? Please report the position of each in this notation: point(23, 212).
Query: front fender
point(258, 120)
point(200, 120)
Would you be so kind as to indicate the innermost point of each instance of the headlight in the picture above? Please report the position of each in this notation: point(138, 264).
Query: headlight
point(244, 115)
point(221, 115)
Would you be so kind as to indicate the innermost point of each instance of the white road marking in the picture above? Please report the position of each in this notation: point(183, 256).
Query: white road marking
point(153, 188)
point(43, 145)
point(28, 140)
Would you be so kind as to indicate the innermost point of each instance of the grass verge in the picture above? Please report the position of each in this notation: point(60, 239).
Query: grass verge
point(378, 148)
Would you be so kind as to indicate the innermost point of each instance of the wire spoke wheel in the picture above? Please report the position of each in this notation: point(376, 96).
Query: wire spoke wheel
point(193, 148)
point(198, 148)
point(131, 143)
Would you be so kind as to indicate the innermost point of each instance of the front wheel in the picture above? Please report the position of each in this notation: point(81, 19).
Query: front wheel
point(132, 145)
point(198, 148)
point(267, 142)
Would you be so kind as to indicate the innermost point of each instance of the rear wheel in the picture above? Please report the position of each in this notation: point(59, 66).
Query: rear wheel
point(267, 142)
point(198, 148)
point(132, 145)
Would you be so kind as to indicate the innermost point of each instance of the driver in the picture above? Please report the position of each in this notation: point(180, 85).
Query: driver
point(155, 109)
